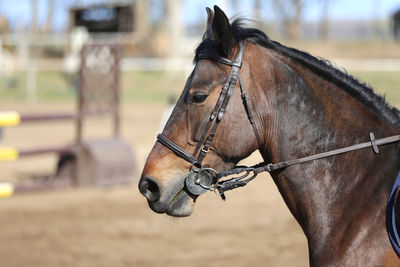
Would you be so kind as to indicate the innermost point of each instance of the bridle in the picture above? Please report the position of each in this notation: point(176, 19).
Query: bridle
point(200, 179)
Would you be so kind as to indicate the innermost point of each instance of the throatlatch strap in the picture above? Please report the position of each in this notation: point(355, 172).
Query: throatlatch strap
point(247, 107)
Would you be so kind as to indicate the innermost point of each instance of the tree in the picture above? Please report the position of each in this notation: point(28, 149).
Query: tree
point(291, 15)
point(51, 4)
point(324, 24)
point(34, 15)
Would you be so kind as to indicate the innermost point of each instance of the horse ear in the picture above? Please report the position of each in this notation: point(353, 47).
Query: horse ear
point(222, 32)
point(210, 18)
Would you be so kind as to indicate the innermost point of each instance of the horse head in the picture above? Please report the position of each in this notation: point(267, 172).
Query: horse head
point(209, 98)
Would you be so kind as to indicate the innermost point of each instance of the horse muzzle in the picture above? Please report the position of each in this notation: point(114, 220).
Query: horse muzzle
point(150, 189)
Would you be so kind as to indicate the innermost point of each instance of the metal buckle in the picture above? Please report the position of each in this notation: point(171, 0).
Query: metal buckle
point(373, 142)
point(205, 150)
point(237, 64)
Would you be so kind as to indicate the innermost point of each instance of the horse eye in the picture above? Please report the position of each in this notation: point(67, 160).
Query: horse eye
point(198, 97)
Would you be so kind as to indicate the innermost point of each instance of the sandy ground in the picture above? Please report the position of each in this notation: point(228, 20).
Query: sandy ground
point(115, 227)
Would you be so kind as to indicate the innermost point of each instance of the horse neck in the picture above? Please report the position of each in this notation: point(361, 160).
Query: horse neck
point(305, 115)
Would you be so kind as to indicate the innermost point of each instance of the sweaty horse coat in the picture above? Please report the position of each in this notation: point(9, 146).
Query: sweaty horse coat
point(301, 106)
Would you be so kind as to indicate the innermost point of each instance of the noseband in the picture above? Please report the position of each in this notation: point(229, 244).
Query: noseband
point(200, 179)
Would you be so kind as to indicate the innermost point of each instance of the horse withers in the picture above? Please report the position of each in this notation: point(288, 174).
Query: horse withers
point(248, 92)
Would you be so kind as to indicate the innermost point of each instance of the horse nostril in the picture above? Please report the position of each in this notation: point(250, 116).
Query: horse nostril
point(149, 188)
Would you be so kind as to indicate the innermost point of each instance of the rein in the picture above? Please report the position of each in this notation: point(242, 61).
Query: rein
point(225, 185)
point(200, 179)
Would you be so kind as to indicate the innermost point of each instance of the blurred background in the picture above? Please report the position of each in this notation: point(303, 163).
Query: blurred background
point(99, 77)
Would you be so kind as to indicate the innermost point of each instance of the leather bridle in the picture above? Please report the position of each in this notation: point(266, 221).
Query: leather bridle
point(200, 179)
point(205, 141)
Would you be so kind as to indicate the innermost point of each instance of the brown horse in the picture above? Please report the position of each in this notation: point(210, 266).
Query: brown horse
point(295, 105)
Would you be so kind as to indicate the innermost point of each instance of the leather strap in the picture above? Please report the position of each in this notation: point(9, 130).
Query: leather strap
point(377, 142)
point(222, 60)
point(177, 149)
point(247, 107)
point(218, 112)
point(212, 116)
point(207, 136)
point(221, 112)
point(226, 185)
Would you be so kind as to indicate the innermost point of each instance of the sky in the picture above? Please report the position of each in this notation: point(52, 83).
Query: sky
point(339, 9)
point(193, 11)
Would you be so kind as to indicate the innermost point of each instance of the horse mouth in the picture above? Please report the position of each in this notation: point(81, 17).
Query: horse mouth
point(175, 201)
point(180, 206)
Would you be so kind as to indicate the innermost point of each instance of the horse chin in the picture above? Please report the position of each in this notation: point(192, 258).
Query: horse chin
point(174, 201)
point(182, 206)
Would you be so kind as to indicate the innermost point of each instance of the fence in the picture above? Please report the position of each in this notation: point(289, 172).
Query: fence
point(85, 162)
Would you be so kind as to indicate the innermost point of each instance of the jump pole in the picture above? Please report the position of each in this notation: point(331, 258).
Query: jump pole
point(6, 190)
point(13, 118)
point(11, 154)
point(101, 162)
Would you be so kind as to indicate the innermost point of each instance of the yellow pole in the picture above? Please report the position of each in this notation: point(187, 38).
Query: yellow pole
point(8, 153)
point(6, 190)
point(9, 118)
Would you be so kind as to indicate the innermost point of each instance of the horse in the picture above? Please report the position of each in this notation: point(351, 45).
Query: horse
point(287, 104)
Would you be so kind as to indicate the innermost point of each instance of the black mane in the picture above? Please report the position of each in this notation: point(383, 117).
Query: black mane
point(322, 67)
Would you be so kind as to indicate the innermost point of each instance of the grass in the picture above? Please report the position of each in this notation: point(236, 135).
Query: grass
point(385, 83)
point(54, 86)
point(151, 86)
point(155, 87)
point(50, 86)
point(349, 49)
